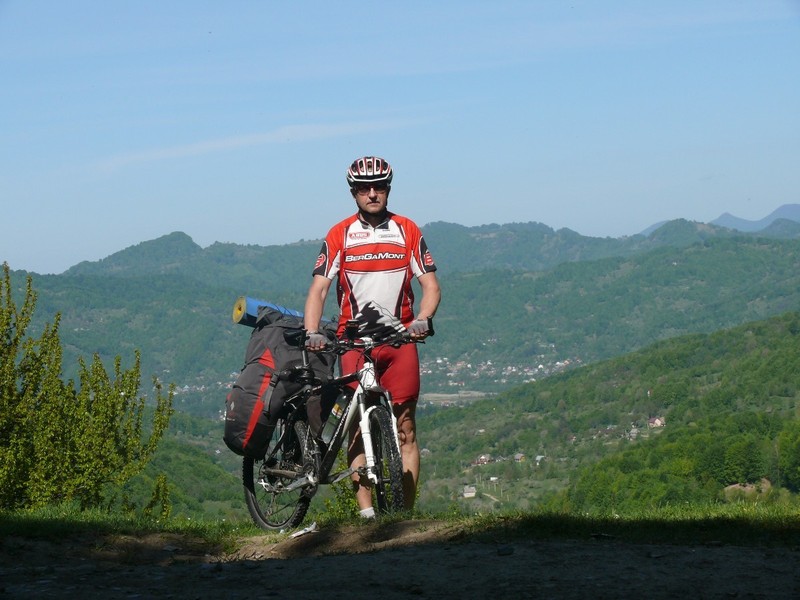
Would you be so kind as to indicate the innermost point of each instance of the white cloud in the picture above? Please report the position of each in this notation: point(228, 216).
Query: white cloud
point(283, 135)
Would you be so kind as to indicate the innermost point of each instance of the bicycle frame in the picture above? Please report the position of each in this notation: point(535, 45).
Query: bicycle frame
point(358, 408)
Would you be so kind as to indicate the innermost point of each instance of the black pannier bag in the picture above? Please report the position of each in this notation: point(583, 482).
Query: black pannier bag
point(254, 403)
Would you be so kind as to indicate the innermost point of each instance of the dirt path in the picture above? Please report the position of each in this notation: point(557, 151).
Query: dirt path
point(411, 559)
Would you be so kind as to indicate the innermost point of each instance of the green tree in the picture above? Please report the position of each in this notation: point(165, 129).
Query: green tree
point(789, 456)
point(159, 499)
point(58, 443)
point(744, 462)
point(15, 446)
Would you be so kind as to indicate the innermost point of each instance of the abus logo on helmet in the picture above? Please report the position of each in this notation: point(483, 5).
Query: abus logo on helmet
point(358, 235)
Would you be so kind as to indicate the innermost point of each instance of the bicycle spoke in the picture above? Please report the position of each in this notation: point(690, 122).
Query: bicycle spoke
point(389, 465)
point(272, 500)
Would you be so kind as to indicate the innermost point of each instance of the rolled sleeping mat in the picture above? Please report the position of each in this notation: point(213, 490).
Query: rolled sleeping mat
point(245, 310)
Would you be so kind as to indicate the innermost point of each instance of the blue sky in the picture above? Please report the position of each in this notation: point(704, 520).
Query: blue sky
point(121, 122)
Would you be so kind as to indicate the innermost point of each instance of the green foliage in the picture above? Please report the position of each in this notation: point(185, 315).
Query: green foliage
point(159, 499)
point(737, 524)
point(518, 294)
point(68, 519)
point(741, 431)
point(341, 504)
point(200, 485)
point(788, 448)
point(58, 443)
point(731, 401)
point(16, 439)
point(112, 445)
point(564, 297)
point(594, 310)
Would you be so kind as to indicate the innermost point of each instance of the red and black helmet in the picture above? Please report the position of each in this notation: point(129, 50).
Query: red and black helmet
point(369, 169)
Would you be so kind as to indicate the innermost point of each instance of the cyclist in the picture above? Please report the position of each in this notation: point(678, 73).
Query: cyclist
point(373, 255)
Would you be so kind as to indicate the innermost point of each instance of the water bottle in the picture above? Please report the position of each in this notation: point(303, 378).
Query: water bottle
point(333, 419)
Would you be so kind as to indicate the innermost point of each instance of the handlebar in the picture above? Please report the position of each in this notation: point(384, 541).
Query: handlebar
point(340, 346)
point(304, 373)
point(352, 340)
point(368, 343)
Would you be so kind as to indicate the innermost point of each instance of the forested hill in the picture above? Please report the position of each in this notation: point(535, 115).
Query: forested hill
point(262, 271)
point(494, 328)
point(599, 309)
point(677, 422)
point(286, 268)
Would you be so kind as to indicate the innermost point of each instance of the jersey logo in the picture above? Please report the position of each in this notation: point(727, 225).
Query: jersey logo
point(320, 261)
point(358, 235)
point(427, 259)
point(374, 256)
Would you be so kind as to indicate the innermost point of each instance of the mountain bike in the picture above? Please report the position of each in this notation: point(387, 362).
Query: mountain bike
point(279, 488)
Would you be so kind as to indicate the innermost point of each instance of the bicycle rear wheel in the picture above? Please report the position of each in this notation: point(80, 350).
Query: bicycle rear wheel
point(389, 491)
point(270, 503)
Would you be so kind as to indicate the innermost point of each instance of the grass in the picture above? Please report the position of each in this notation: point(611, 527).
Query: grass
point(744, 524)
point(68, 521)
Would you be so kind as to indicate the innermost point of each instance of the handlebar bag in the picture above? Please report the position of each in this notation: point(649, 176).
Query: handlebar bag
point(255, 401)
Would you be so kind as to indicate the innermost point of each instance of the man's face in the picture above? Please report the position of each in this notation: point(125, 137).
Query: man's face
point(371, 199)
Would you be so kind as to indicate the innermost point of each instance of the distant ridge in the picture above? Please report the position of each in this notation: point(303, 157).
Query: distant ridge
point(166, 254)
point(518, 246)
point(790, 212)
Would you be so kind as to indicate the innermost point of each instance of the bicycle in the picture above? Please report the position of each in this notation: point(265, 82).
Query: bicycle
point(279, 488)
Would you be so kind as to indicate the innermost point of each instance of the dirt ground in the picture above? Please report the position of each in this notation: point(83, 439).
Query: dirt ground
point(409, 559)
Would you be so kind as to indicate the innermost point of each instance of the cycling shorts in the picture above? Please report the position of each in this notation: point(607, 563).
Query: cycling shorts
point(397, 370)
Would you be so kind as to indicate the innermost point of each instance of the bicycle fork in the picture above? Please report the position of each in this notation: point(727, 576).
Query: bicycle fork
point(369, 383)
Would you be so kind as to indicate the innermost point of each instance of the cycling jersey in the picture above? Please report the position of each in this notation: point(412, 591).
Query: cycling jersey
point(374, 264)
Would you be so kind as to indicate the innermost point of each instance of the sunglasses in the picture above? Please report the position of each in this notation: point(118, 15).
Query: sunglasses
point(364, 188)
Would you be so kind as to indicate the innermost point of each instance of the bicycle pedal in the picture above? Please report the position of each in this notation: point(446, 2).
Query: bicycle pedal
point(342, 475)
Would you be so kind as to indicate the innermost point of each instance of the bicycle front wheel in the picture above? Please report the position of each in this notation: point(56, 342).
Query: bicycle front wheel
point(272, 503)
point(389, 464)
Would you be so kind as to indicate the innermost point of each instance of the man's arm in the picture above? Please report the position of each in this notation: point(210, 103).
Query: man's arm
point(431, 295)
point(315, 302)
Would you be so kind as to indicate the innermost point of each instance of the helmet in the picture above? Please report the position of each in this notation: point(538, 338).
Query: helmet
point(369, 169)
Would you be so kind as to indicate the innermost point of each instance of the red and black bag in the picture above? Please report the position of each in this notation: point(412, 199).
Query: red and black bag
point(253, 406)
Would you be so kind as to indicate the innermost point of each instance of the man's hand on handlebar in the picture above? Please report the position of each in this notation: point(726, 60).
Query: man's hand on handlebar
point(315, 341)
point(420, 328)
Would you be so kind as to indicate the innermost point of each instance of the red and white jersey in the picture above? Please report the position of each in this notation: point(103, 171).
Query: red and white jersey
point(374, 264)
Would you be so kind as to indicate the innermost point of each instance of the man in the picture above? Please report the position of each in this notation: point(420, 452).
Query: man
point(373, 255)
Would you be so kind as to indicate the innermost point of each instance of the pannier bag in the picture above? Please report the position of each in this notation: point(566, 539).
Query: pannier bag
point(253, 406)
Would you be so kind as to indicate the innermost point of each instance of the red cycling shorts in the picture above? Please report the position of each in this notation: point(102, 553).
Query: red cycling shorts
point(397, 369)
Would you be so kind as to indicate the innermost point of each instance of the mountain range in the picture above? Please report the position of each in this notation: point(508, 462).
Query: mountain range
point(521, 300)
point(457, 248)
point(787, 212)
